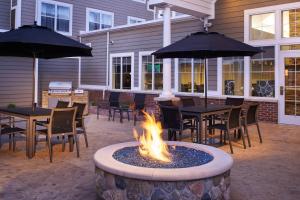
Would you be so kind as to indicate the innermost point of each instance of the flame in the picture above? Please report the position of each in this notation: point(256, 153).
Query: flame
point(151, 142)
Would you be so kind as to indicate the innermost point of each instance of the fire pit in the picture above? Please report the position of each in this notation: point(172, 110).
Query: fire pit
point(171, 170)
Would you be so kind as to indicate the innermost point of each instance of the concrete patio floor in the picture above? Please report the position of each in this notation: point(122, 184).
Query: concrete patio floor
point(268, 171)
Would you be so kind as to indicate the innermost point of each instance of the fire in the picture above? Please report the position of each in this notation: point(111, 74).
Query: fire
point(151, 142)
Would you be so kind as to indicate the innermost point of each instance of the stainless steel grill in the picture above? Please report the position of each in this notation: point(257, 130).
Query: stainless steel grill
point(56, 87)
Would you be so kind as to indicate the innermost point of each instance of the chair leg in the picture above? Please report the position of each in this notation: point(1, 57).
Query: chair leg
point(50, 149)
point(247, 133)
point(114, 112)
point(205, 132)
point(121, 116)
point(221, 137)
point(0, 140)
point(243, 137)
point(98, 112)
point(71, 143)
point(10, 141)
point(169, 135)
point(14, 142)
point(109, 114)
point(128, 118)
point(259, 134)
point(229, 139)
point(77, 145)
point(85, 138)
point(63, 143)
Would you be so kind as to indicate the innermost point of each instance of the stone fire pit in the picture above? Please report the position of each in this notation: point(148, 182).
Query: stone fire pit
point(120, 181)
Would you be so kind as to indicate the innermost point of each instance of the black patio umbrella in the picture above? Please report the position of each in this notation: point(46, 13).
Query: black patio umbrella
point(35, 41)
point(206, 45)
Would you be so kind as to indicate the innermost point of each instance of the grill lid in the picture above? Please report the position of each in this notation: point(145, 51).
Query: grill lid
point(58, 85)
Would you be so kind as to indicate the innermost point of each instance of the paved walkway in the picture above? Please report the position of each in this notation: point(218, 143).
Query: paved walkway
point(268, 171)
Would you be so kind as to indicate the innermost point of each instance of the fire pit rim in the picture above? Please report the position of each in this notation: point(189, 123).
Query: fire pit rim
point(221, 163)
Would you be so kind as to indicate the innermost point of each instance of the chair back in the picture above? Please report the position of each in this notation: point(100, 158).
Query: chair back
point(62, 104)
point(187, 101)
point(79, 113)
point(170, 117)
point(235, 117)
point(234, 101)
point(165, 103)
point(114, 99)
point(251, 115)
point(62, 120)
point(139, 101)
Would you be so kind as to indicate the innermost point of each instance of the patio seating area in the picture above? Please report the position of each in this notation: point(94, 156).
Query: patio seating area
point(264, 171)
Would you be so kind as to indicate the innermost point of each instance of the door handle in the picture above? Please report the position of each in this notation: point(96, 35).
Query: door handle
point(281, 90)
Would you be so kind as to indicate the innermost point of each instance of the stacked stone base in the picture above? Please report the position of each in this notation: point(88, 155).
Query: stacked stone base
point(114, 187)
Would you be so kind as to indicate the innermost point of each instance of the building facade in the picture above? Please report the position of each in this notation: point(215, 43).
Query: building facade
point(124, 34)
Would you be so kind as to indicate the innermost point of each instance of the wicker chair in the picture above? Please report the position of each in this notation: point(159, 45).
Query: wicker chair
point(232, 121)
point(62, 123)
point(251, 119)
point(139, 105)
point(172, 121)
point(234, 101)
point(62, 104)
point(80, 125)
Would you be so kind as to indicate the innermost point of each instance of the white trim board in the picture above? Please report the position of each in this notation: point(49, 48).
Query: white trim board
point(126, 54)
point(56, 3)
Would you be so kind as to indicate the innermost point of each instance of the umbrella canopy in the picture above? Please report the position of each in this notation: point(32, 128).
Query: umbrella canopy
point(206, 45)
point(40, 42)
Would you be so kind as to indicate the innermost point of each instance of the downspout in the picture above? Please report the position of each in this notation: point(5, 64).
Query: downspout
point(107, 63)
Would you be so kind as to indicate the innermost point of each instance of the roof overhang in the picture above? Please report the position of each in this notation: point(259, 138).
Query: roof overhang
point(197, 8)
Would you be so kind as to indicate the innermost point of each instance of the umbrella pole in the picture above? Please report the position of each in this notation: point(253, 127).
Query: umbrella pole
point(205, 84)
point(33, 82)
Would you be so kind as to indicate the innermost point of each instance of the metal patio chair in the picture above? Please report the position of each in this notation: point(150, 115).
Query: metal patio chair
point(173, 122)
point(80, 125)
point(11, 131)
point(232, 121)
point(139, 105)
point(62, 124)
point(251, 118)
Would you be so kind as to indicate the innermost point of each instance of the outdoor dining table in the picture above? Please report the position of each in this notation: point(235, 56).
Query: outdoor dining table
point(31, 116)
point(200, 113)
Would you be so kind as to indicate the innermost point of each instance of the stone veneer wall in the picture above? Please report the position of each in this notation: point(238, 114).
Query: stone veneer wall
point(113, 187)
point(268, 111)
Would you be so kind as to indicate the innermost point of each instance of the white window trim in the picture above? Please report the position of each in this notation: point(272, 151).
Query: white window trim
point(126, 54)
point(88, 10)
point(141, 54)
point(18, 10)
point(277, 9)
point(276, 42)
point(56, 3)
point(134, 18)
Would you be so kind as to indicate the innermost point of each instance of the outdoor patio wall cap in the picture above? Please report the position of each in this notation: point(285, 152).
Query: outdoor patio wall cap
point(221, 163)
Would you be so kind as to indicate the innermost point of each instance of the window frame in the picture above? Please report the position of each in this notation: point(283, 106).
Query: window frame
point(56, 4)
point(134, 18)
point(141, 54)
point(121, 55)
point(101, 12)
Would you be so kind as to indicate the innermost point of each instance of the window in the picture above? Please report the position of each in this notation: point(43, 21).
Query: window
point(233, 76)
point(56, 16)
point(262, 73)
point(291, 23)
point(152, 73)
point(191, 71)
point(13, 19)
point(134, 20)
point(121, 72)
point(262, 26)
point(98, 20)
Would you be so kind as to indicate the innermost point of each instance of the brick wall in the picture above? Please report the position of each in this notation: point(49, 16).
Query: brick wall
point(268, 111)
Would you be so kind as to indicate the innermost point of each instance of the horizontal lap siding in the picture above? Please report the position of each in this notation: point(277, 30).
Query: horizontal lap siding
point(5, 14)
point(120, 8)
point(134, 40)
point(15, 81)
point(93, 69)
point(64, 69)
